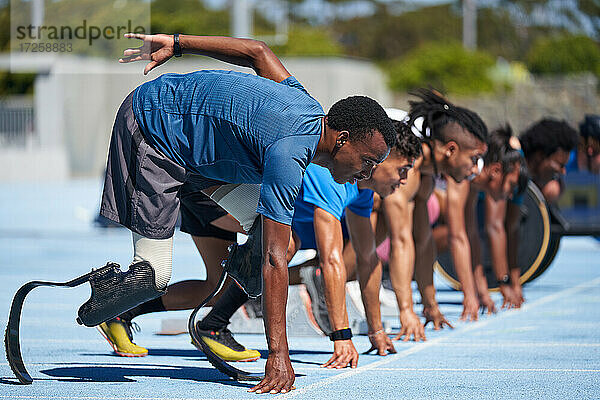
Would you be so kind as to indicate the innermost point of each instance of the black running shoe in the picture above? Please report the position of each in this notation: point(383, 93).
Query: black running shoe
point(312, 277)
point(225, 346)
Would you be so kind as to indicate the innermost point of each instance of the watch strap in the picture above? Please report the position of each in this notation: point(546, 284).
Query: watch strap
point(341, 334)
point(176, 45)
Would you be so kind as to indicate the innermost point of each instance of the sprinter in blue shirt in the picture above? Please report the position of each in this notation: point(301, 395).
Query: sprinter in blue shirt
point(322, 211)
point(231, 130)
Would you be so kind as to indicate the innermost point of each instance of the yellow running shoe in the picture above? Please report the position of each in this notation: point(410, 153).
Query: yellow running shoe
point(225, 346)
point(118, 333)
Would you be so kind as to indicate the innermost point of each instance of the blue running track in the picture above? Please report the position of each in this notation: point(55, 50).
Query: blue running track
point(549, 349)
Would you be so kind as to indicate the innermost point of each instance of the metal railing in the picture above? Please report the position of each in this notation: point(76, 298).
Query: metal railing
point(17, 128)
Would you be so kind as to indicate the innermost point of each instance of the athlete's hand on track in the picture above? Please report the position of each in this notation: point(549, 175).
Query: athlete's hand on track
point(519, 292)
point(470, 309)
point(344, 354)
point(511, 299)
point(381, 342)
point(487, 304)
point(156, 48)
point(411, 326)
point(279, 375)
point(434, 315)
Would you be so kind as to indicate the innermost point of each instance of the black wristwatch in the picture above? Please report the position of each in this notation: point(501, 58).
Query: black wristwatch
point(505, 280)
point(176, 46)
point(340, 334)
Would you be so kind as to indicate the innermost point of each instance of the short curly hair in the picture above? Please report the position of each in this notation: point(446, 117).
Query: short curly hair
point(548, 136)
point(407, 143)
point(361, 116)
point(590, 127)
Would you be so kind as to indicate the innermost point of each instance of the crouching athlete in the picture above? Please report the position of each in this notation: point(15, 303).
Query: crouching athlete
point(503, 177)
point(454, 142)
point(317, 225)
point(233, 130)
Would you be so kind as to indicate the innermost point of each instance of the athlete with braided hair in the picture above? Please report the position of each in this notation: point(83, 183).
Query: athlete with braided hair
point(454, 142)
point(503, 176)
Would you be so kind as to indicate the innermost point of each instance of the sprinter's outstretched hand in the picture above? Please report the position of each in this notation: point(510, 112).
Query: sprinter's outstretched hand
point(156, 48)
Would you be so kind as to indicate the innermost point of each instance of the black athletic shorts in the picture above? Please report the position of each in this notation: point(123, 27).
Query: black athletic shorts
point(198, 211)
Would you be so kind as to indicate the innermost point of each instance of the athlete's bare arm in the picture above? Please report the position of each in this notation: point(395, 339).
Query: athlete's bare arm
point(330, 246)
point(495, 216)
point(369, 270)
point(472, 224)
point(157, 49)
point(398, 213)
point(279, 375)
point(425, 255)
point(460, 247)
point(513, 216)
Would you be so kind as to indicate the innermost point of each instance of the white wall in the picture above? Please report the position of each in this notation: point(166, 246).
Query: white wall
point(76, 101)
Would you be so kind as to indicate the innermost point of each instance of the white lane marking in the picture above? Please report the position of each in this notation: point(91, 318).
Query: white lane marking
point(108, 398)
point(522, 344)
point(392, 369)
point(94, 341)
point(422, 346)
point(125, 366)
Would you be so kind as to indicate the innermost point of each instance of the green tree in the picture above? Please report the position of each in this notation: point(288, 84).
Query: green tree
point(187, 16)
point(501, 35)
point(579, 16)
point(448, 67)
point(384, 36)
point(564, 54)
point(4, 28)
point(15, 83)
point(309, 41)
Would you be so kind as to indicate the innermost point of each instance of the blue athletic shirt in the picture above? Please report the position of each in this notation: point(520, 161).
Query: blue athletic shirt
point(236, 128)
point(320, 190)
point(572, 165)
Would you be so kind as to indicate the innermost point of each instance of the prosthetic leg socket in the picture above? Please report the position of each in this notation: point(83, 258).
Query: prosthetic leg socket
point(244, 263)
point(115, 291)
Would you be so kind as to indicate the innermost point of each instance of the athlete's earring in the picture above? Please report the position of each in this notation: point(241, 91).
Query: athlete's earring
point(338, 145)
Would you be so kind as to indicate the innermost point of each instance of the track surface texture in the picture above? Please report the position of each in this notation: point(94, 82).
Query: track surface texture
point(548, 349)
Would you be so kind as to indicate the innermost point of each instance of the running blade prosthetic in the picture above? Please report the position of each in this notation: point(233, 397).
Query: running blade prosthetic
point(113, 292)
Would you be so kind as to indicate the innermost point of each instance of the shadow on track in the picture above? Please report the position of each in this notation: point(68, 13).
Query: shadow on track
point(10, 381)
point(191, 354)
point(125, 374)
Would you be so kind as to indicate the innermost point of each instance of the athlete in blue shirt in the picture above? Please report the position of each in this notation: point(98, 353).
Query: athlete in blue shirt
point(317, 224)
point(320, 190)
point(231, 128)
point(236, 128)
